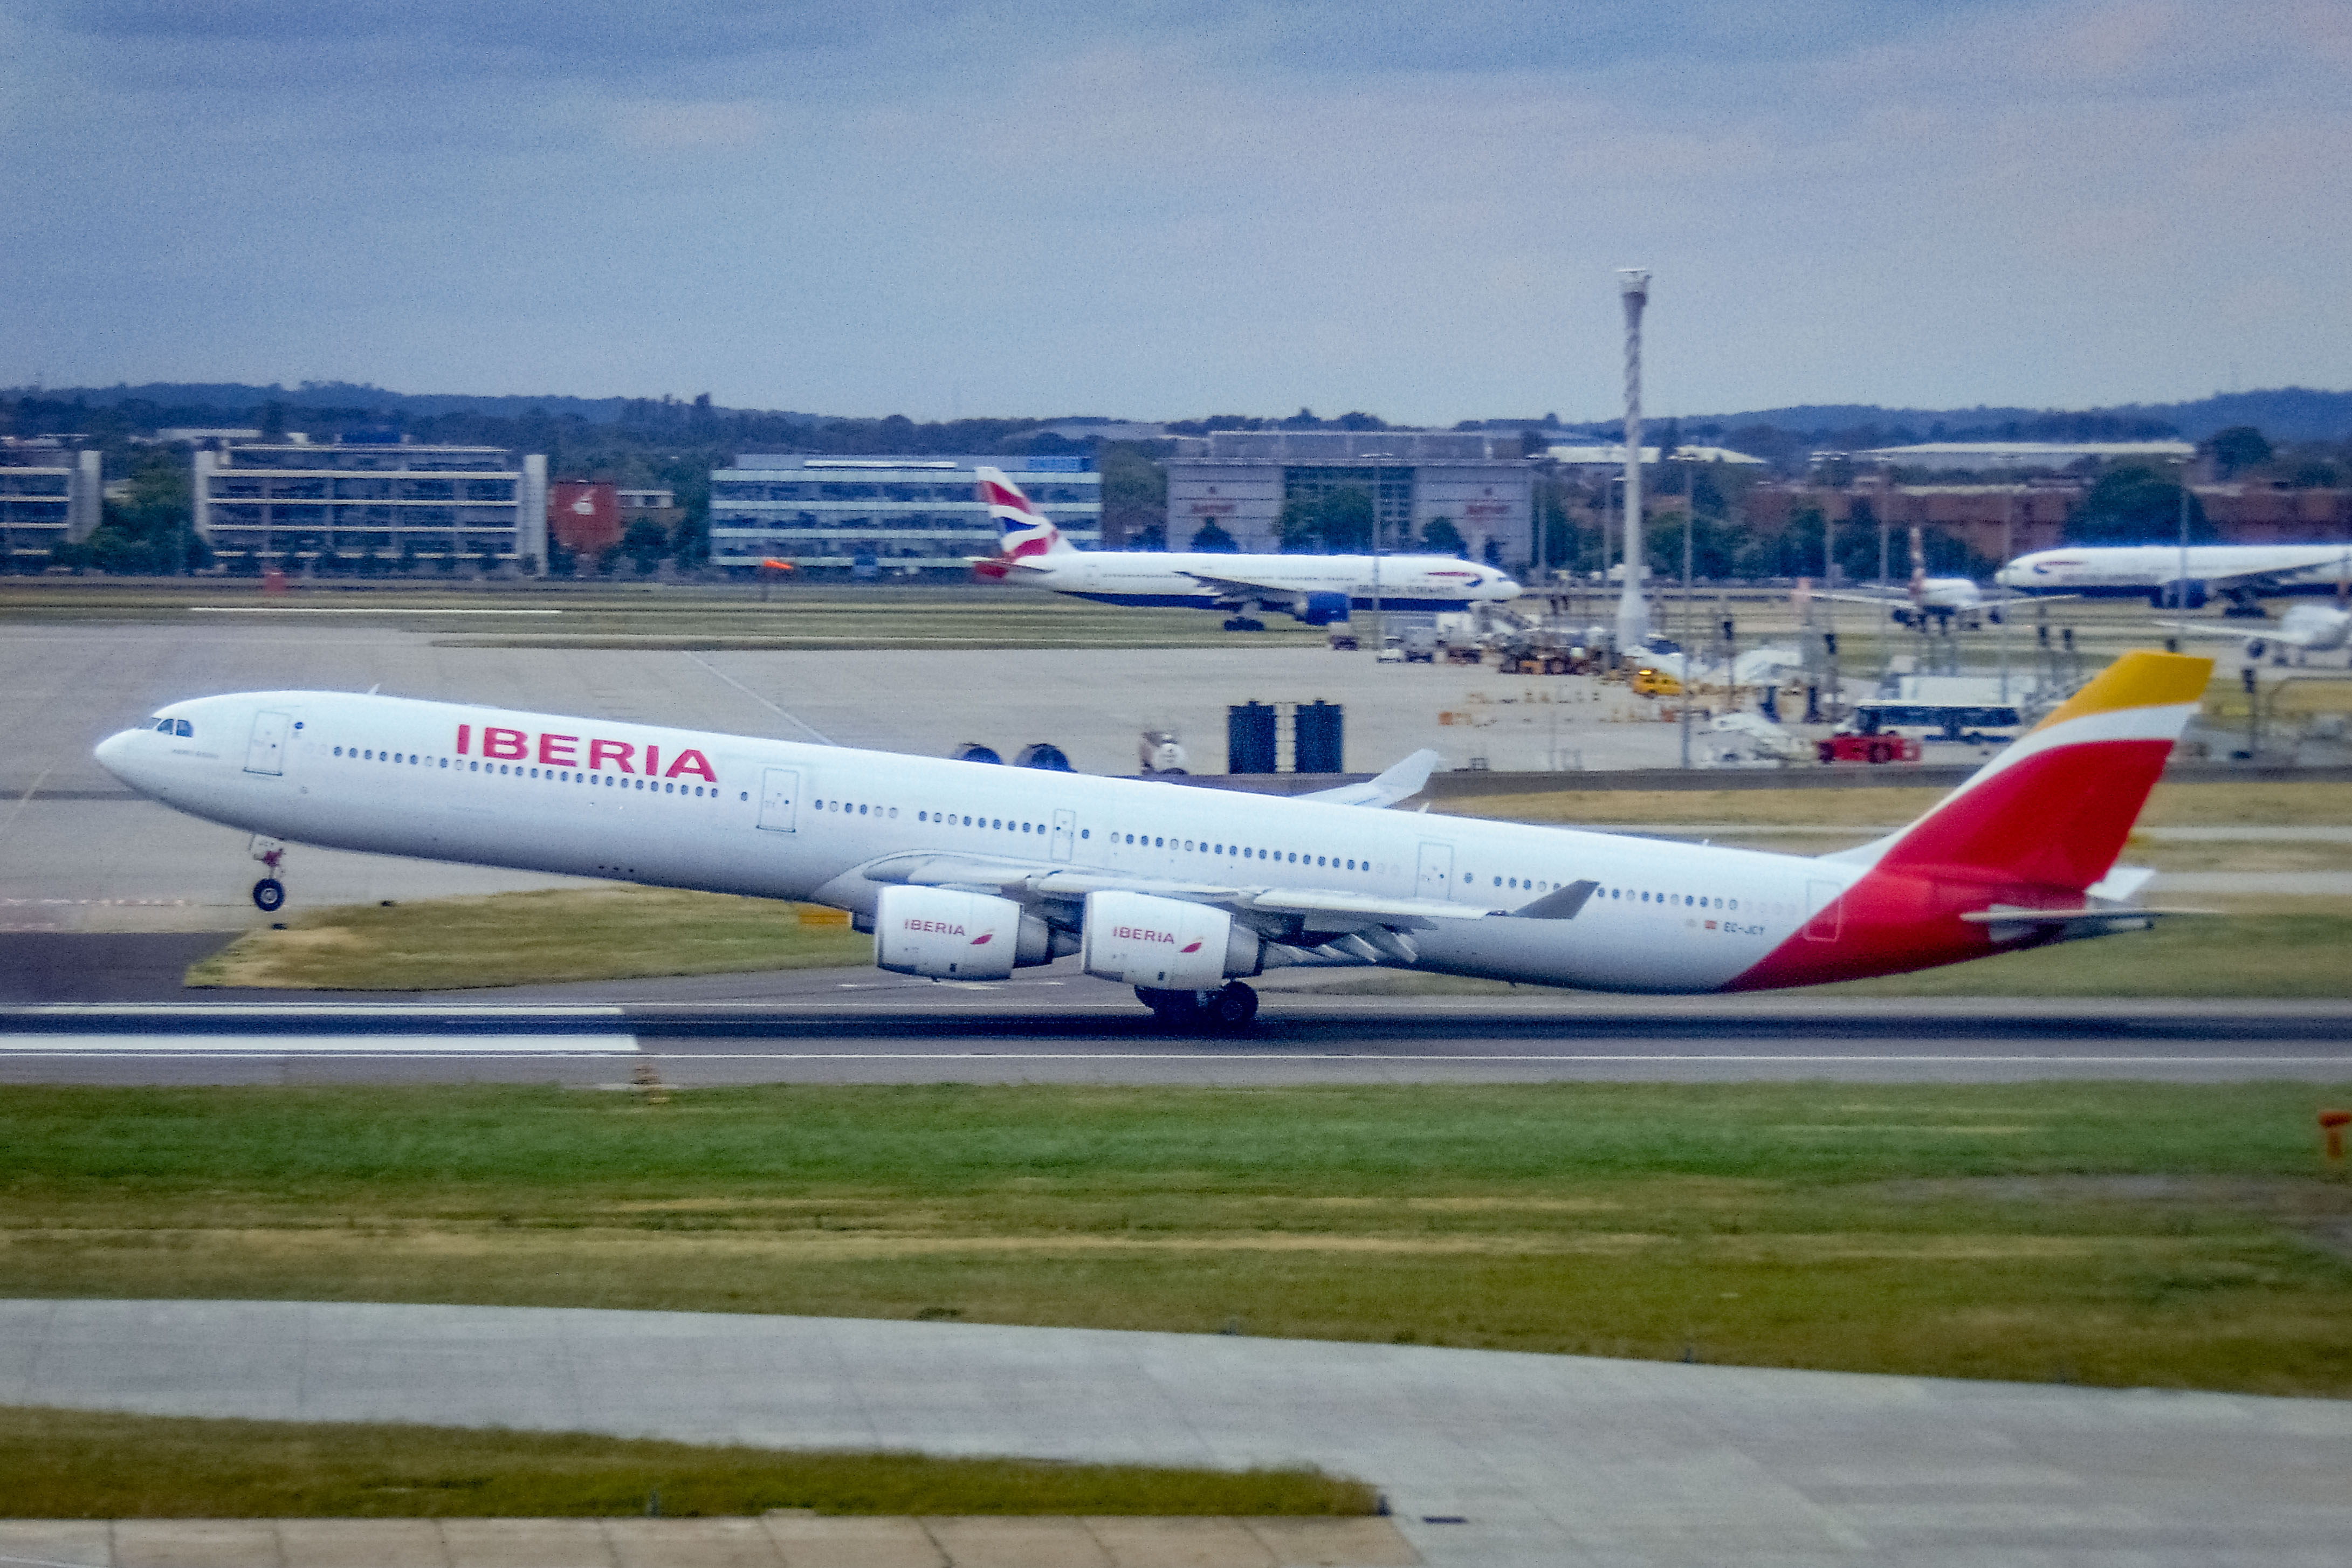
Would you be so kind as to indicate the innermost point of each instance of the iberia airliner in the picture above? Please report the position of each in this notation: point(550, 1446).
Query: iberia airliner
point(967, 871)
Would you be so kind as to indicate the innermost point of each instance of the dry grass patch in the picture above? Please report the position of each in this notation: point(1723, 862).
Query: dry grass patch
point(2253, 804)
point(513, 939)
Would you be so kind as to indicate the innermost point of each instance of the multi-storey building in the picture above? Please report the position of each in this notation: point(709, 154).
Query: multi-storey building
point(49, 495)
point(1240, 479)
point(294, 504)
point(867, 515)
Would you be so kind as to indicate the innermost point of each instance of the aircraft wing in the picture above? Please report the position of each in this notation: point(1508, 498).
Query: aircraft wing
point(1032, 882)
point(1236, 584)
point(2292, 636)
point(1398, 781)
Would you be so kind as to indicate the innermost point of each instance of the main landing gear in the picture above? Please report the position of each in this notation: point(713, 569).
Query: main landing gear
point(270, 893)
point(1230, 1011)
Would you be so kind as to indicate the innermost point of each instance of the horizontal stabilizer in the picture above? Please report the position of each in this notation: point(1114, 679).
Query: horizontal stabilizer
point(1998, 916)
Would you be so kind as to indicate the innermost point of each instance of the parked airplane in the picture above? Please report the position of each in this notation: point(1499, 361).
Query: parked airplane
point(1315, 589)
point(1922, 599)
point(2305, 628)
point(2241, 572)
point(965, 871)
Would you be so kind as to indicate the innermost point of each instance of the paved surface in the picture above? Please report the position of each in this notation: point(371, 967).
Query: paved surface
point(783, 1539)
point(1546, 1459)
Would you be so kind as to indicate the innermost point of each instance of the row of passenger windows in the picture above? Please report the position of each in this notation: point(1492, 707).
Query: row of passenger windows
point(1688, 900)
point(994, 824)
point(518, 770)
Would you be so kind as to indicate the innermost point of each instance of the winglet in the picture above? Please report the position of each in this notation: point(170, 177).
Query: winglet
point(1404, 779)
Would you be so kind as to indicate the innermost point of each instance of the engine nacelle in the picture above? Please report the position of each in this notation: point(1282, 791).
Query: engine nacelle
point(946, 935)
point(1165, 943)
point(1318, 609)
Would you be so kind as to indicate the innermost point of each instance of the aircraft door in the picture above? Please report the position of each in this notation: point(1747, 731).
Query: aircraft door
point(1436, 872)
point(265, 753)
point(1065, 834)
point(1824, 916)
point(780, 794)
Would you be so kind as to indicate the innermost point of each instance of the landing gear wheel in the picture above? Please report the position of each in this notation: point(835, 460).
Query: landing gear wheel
point(1234, 1008)
point(1245, 623)
point(270, 895)
point(1175, 1009)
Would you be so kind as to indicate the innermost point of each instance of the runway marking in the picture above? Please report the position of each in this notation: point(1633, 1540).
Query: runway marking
point(791, 718)
point(343, 610)
point(143, 1046)
point(390, 1012)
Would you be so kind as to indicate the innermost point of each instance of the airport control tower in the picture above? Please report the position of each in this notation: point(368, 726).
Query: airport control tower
point(1634, 603)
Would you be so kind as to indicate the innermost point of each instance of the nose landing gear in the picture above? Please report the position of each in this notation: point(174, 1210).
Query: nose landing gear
point(270, 893)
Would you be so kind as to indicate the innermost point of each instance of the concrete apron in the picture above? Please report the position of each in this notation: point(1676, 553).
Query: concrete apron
point(780, 1539)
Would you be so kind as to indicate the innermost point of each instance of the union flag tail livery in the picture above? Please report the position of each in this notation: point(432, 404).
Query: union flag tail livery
point(2028, 840)
point(1025, 532)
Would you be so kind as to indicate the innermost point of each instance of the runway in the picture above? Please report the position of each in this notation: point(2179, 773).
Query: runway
point(1080, 1031)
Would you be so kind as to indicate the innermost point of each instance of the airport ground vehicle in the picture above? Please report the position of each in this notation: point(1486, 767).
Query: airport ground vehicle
point(1845, 747)
point(1653, 682)
point(967, 871)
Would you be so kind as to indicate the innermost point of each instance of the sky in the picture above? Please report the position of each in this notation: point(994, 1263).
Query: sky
point(1157, 209)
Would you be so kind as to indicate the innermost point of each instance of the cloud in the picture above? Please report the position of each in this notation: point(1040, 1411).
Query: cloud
point(1168, 209)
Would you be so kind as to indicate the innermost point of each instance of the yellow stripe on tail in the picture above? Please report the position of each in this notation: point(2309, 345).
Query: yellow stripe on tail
point(2140, 678)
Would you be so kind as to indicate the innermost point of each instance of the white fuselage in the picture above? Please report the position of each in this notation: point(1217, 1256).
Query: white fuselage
point(1205, 579)
point(2143, 571)
point(779, 819)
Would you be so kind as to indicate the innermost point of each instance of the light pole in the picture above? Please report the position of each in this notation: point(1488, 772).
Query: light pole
point(2183, 596)
point(2008, 553)
point(1632, 607)
point(1690, 673)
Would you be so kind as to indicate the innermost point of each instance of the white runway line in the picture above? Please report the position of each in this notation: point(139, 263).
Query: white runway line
point(388, 1011)
point(343, 610)
point(226, 1044)
point(1220, 1058)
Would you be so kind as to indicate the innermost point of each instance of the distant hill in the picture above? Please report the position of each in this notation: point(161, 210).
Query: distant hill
point(2286, 414)
point(224, 398)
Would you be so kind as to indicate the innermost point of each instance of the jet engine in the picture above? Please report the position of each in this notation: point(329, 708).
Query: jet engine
point(1320, 609)
point(946, 935)
point(1166, 944)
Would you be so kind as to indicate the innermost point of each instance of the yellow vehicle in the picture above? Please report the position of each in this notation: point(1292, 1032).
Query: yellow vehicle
point(1648, 683)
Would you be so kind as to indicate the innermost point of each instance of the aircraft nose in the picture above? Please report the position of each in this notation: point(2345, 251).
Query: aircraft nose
point(116, 755)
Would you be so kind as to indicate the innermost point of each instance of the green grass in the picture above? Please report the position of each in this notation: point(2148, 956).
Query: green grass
point(2113, 1232)
point(516, 939)
point(67, 1464)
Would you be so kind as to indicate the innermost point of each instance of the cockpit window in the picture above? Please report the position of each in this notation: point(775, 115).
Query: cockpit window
point(183, 729)
point(163, 726)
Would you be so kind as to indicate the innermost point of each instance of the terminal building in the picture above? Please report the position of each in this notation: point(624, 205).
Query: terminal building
point(1239, 479)
point(49, 495)
point(292, 505)
point(868, 516)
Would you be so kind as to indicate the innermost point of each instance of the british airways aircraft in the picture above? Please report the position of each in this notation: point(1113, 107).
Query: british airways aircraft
point(1315, 589)
point(964, 871)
